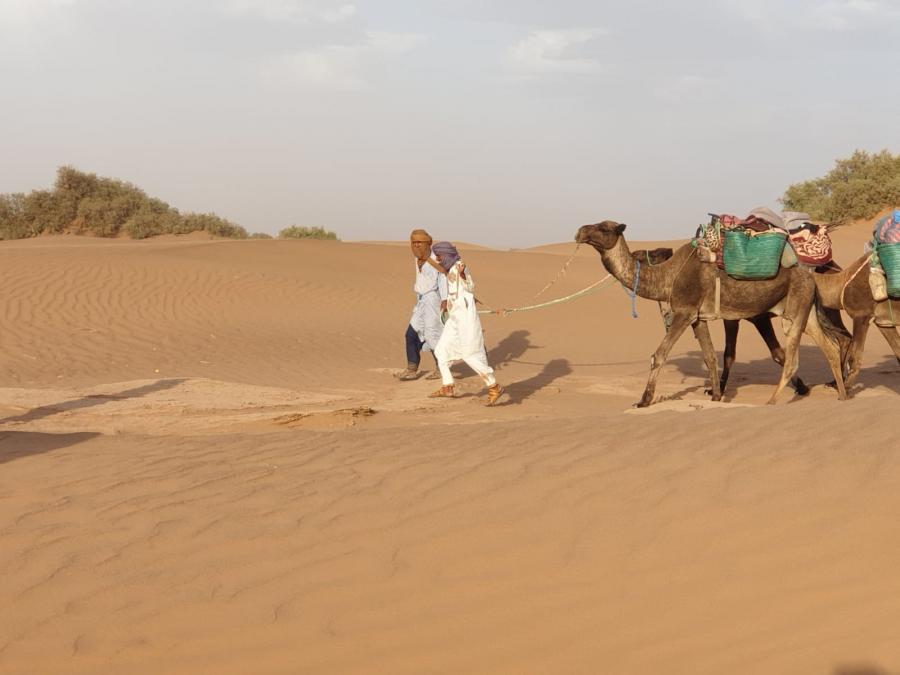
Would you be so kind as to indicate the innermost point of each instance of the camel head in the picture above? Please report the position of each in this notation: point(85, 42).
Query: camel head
point(602, 236)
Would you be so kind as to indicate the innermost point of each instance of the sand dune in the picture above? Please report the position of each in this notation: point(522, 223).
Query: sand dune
point(206, 467)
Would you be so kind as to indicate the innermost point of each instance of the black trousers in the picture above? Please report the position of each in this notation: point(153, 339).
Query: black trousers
point(414, 347)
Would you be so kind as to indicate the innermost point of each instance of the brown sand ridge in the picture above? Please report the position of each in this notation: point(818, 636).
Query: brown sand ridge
point(206, 467)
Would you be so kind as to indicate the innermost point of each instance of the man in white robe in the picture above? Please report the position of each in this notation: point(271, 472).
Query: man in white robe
point(425, 325)
point(463, 337)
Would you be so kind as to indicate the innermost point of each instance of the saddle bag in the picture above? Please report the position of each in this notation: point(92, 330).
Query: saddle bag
point(888, 255)
point(753, 256)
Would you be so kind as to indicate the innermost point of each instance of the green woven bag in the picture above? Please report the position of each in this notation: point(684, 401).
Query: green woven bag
point(889, 256)
point(753, 257)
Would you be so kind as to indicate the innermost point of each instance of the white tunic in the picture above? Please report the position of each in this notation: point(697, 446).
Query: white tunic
point(463, 337)
point(431, 290)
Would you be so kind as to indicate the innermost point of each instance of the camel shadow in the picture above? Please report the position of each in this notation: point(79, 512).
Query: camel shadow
point(510, 348)
point(91, 400)
point(518, 392)
point(884, 373)
point(813, 368)
point(860, 670)
point(17, 444)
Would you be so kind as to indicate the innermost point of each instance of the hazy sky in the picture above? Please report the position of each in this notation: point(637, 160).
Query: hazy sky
point(508, 123)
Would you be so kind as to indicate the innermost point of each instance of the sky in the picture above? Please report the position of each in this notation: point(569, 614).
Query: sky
point(507, 123)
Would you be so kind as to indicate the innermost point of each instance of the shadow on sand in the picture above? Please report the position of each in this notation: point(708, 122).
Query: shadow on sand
point(17, 444)
point(91, 400)
point(510, 348)
point(813, 369)
point(861, 670)
point(522, 390)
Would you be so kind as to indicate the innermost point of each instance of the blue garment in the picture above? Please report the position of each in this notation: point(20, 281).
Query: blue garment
point(414, 345)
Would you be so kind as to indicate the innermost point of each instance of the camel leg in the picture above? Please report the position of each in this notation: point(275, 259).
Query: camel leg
point(658, 360)
point(832, 351)
point(701, 332)
point(857, 346)
point(794, 328)
point(890, 334)
point(731, 333)
point(763, 324)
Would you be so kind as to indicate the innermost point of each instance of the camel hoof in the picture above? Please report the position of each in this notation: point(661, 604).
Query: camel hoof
point(642, 404)
point(717, 398)
point(801, 389)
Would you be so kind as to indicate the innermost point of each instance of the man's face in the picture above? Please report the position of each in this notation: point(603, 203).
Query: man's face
point(421, 246)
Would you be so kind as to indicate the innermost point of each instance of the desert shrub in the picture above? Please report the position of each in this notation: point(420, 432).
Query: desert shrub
point(298, 232)
point(13, 224)
point(260, 235)
point(210, 222)
point(85, 203)
point(857, 187)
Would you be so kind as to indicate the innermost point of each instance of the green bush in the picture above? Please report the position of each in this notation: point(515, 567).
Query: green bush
point(857, 187)
point(87, 204)
point(297, 232)
point(260, 235)
point(13, 223)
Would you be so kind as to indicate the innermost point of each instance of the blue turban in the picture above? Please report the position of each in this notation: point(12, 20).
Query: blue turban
point(446, 254)
point(897, 216)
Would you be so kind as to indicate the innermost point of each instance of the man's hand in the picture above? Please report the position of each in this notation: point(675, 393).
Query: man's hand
point(443, 305)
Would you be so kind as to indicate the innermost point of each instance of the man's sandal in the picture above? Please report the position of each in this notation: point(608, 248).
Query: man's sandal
point(444, 392)
point(494, 394)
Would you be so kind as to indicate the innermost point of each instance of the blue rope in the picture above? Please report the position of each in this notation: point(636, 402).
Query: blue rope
point(633, 293)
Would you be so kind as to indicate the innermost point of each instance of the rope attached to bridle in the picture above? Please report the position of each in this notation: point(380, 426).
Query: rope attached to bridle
point(560, 274)
point(597, 285)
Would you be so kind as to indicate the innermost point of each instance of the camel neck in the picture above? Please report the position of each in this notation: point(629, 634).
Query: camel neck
point(655, 280)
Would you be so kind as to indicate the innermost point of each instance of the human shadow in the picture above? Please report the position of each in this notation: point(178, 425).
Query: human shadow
point(17, 444)
point(518, 392)
point(92, 400)
point(509, 349)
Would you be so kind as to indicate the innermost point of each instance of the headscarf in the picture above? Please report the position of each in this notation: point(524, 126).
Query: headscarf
point(896, 216)
point(446, 253)
point(419, 233)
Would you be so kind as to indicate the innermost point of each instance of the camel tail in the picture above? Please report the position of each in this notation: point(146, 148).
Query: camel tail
point(833, 327)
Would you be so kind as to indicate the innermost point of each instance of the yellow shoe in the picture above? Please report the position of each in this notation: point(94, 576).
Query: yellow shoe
point(494, 394)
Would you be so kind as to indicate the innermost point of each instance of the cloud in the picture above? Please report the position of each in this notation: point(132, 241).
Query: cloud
point(296, 11)
point(774, 17)
point(843, 15)
point(339, 67)
point(550, 51)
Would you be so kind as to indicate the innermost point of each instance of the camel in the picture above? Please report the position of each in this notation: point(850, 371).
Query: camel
point(762, 323)
point(849, 290)
point(699, 292)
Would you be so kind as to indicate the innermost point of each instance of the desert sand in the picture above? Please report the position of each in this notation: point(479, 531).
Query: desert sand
point(207, 467)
